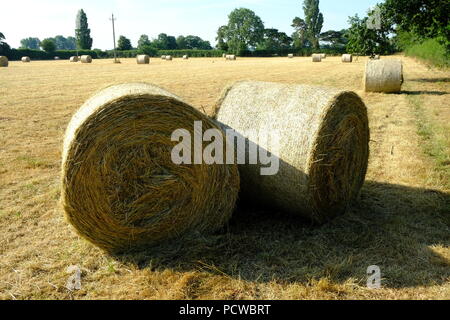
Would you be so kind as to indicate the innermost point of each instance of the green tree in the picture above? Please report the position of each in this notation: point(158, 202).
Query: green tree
point(275, 40)
point(4, 47)
point(162, 42)
point(245, 29)
point(124, 43)
point(30, 43)
point(48, 45)
point(300, 36)
point(181, 43)
point(313, 21)
point(144, 41)
point(337, 39)
point(195, 42)
point(82, 31)
point(221, 36)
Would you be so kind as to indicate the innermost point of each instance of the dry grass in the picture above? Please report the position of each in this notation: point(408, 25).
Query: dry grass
point(401, 222)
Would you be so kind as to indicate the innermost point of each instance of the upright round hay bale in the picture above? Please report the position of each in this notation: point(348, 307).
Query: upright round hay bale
point(317, 57)
point(26, 59)
point(86, 59)
point(169, 58)
point(290, 55)
point(73, 59)
point(383, 76)
point(3, 61)
point(185, 57)
point(120, 187)
point(323, 147)
point(347, 58)
point(142, 59)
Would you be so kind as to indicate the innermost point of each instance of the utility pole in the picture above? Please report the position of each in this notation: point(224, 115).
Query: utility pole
point(114, 37)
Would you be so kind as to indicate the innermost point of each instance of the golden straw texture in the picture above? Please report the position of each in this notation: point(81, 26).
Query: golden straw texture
point(86, 59)
point(323, 150)
point(120, 188)
point(73, 59)
point(347, 58)
point(26, 59)
point(143, 59)
point(317, 57)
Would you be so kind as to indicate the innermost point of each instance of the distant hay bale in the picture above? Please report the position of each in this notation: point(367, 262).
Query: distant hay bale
point(57, 58)
point(26, 59)
point(120, 187)
point(143, 59)
point(317, 57)
point(383, 76)
point(185, 57)
point(163, 57)
point(73, 59)
point(376, 57)
point(323, 55)
point(168, 58)
point(347, 58)
point(3, 61)
point(230, 57)
point(323, 145)
point(224, 55)
point(86, 59)
point(290, 55)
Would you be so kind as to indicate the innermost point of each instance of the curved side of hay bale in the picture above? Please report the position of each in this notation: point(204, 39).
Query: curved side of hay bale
point(168, 58)
point(120, 187)
point(383, 76)
point(323, 145)
point(347, 58)
point(73, 59)
point(231, 57)
point(26, 59)
point(142, 59)
point(316, 57)
point(86, 59)
point(185, 57)
point(290, 55)
point(4, 61)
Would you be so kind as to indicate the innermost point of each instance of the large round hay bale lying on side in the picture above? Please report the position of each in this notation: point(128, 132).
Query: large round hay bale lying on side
point(317, 57)
point(323, 147)
point(383, 76)
point(169, 58)
point(224, 55)
point(290, 55)
point(3, 61)
point(230, 57)
point(86, 59)
point(143, 59)
point(73, 59)
point(185, 57)
point(347, 58)
point(163, 57)
point(26, 59)
point(120, 187)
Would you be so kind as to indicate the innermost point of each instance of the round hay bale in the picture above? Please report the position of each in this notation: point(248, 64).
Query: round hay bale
point(317, 57)
point(383, 76)
point(224, 55)
point(163, 57)
point(323, 55)
point(26, 59)
point(231, 57)
point(120, 187)
point(73, 59)
point(3, 61)
point(376, 57)
point(143, 59)
point(57, 58)
point(347, 58)
point(185, 57)
point(290, 55)
point(323, 145)
point(86, 59)
point(168, 58)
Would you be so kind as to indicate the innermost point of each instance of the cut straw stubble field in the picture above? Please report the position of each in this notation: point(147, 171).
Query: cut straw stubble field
point(398, 223)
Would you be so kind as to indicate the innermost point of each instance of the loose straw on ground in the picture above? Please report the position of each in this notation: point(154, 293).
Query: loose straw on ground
point(120, 188)
point(323, 145)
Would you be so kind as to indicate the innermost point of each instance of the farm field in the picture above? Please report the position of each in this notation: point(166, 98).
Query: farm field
point(401, 221)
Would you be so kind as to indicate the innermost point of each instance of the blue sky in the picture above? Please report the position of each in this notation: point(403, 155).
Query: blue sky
point(47, 18)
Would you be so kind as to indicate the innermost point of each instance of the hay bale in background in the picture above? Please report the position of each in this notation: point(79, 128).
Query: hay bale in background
point(120, 188)
point(383, 76)
point(376, 57)
point(317, 57)
point(168, 58)
point(86, 59)
point(347, 58)
point(224, 55)
point(185, 57)
point(290, 55)
point(323, 150)
point(143, 59)
point(73, 59)
point(323, 55)
point(231, 57)
point(57, 58)
point(163, 57)
point(26, 59)
point(3, 61)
